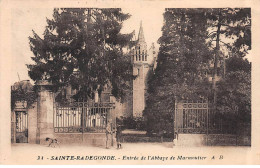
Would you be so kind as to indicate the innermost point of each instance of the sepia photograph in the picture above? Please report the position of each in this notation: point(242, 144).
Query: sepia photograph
point(129, 84)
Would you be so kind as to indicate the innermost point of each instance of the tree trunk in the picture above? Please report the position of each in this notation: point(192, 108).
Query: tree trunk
point(216, 60)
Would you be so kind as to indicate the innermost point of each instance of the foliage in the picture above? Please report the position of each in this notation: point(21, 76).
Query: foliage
point(231, 28)
point(23, 95)
point(234, 26)
point(133, 123)
point(238, 64)
point(82, 47)
point(182, 61)
point(160, 122)
point(234, 92)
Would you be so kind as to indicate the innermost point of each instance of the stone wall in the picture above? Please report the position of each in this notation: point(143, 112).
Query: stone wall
point(213, 140)
point(92, 139)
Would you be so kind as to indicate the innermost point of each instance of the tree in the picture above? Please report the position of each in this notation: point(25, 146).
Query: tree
point(182, 60)
point(83, 47)
point(232, 25)
point(234, 93)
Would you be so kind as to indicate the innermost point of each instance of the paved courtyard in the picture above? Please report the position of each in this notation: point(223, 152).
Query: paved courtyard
point(132, 153)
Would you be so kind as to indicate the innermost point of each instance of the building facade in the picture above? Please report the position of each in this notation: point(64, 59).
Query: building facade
point(143, 63)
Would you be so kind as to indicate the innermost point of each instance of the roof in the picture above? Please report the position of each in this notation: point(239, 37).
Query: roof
point(141, 34)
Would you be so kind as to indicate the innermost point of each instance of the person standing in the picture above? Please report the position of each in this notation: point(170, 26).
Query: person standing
point(175, 139)
point(119, 136)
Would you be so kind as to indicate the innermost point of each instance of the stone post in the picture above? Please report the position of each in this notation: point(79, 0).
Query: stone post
point(32, 123)
point(45, 112)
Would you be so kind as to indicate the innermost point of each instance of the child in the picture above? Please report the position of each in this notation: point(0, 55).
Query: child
point(175, 139)
point(119, 136)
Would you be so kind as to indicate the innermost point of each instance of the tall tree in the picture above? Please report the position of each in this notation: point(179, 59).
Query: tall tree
point(229, 27)
point(182, 60)
point(82, 47)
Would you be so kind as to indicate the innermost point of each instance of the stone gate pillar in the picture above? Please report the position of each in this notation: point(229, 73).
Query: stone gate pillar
point(44, 112)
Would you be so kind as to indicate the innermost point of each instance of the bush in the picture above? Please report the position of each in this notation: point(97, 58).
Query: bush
point(160, 124)
point(137, 123)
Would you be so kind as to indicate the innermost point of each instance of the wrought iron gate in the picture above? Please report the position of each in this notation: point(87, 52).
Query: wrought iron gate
point(81, 117)
point(21, 126)
point(195, 117)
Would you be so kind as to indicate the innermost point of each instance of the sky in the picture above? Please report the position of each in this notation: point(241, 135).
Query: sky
point(24, 20)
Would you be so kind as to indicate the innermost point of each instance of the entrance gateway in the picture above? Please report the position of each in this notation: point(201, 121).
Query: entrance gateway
point(19, 117)
point(192, 122)
point(195, 118)
point(83, 122)
point(73, 122)
point(68, 122)
point(21, 127)
point(200, 117)
point(198, 123)
point(80, 117)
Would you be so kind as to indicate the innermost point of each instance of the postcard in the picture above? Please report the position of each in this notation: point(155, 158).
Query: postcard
point(129, 82)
